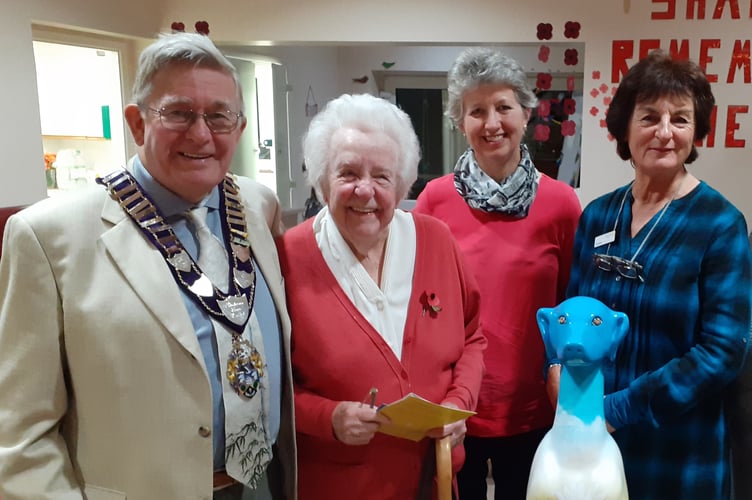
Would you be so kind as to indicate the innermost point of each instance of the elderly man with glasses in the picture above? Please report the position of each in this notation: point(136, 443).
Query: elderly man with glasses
point(144, 338)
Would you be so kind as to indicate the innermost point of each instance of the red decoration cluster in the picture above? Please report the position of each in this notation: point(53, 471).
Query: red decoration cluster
point(545, 31)
point(542, 131)
point(605, 92)
point(202, 27)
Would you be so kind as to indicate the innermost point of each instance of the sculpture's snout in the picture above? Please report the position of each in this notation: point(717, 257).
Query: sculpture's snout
point(574, 352)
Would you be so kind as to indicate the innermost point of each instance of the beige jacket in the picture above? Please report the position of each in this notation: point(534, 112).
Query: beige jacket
point(103, 389)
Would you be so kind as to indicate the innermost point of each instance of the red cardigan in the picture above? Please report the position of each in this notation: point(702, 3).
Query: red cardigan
point(338, 356)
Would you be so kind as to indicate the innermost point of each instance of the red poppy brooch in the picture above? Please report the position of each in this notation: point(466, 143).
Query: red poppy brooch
point(431, 304)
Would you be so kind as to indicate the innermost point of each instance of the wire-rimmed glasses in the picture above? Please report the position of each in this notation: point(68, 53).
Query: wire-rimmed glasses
point(181, 119)
point(629, 269)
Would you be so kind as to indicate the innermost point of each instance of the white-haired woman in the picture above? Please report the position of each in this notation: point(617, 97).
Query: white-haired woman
point(378, 298)
point(516, 228)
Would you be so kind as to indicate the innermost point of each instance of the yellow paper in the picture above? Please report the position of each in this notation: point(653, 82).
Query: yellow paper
point(412, 416)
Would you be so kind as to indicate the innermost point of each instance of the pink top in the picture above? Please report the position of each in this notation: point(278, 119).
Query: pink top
point(521, 265)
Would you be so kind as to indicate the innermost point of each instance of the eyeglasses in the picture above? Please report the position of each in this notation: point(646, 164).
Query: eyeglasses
point(181, 119)
point(627, 268)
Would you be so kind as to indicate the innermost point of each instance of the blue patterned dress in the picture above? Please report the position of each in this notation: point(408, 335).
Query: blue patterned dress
point(689, 331)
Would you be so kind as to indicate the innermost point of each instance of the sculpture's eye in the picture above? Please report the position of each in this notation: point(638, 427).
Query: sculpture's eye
point(562, 319)
point(597, 321)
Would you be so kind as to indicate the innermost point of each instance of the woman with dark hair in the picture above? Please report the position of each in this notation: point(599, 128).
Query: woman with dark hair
point(672, 253)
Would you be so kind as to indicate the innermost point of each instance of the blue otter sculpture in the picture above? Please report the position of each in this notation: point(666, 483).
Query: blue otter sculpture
point(578, 459)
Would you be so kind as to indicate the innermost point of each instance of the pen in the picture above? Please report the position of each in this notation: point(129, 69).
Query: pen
point(373, 393)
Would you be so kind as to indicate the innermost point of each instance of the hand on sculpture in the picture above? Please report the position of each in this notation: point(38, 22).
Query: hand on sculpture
point(355, 424)
point(456, 430)
point(552, 383)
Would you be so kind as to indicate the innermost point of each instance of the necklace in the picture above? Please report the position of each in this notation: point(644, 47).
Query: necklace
point(632, 261)
point(232, 309)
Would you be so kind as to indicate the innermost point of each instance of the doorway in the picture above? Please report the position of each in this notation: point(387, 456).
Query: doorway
point(79, 85)
point(425, 108)
point(263, 152)
point(558, 153)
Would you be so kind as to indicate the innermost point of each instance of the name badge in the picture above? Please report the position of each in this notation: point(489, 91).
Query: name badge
point(604, 239)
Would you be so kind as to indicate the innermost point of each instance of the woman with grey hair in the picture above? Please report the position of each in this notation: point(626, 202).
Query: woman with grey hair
point(516, 229)
point(361, 112)
point(378, 298)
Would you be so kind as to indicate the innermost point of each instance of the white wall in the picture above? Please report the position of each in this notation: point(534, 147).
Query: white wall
point(22, 179)
point(393, 21)
point(420, 21)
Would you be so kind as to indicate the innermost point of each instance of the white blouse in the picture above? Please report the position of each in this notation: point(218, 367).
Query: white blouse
point(385, 306)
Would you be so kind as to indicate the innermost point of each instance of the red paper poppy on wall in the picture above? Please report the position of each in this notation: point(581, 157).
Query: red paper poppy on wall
point(543, 53)
point(545, 31)
point(543, 81)
point(569, 105)
point(567, 128)
point(544, 108)
point(542, 133)
point(202, 27)
point(572, 29)
point(571, 57)
point(570, 83)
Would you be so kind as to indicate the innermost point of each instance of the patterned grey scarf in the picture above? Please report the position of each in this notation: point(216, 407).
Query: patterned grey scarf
point(513, 196)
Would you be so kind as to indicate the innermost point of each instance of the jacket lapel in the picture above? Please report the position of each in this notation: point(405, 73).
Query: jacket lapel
point(147, 273)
